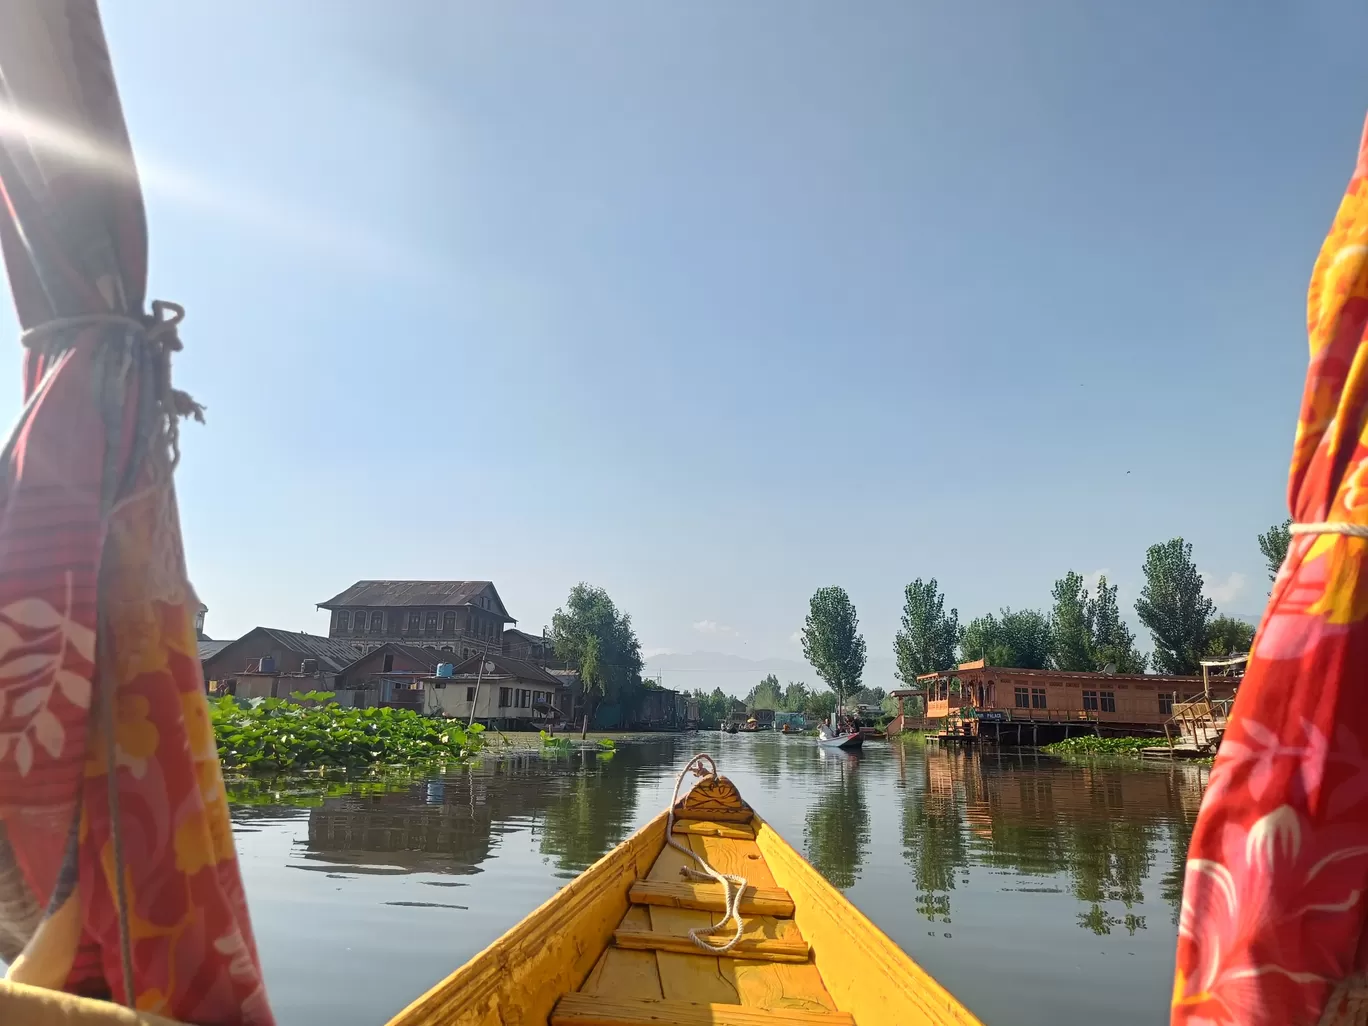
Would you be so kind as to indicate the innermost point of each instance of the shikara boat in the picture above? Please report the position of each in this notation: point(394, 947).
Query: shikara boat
point(845, 741)
point(614, 947)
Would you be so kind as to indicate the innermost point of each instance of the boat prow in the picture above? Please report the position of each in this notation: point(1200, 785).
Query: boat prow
point(613, 948)
point(843, 741)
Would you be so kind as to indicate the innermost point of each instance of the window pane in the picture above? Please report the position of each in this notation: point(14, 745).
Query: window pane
point(1165, 703)
point(1090, 700)
point(1037, 698)
point(1023, 698)
point(1109, 701)
point(377, 622)
point(431, 626)
point(449, 623)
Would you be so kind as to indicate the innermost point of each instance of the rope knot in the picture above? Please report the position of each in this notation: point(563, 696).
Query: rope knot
point(158, 332)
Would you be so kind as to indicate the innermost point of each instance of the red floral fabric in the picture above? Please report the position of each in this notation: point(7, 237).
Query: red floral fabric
point(96, 613)
point(1276, 888)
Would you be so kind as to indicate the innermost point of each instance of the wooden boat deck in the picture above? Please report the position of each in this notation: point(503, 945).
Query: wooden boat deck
point(653, 960)
point(613, 948)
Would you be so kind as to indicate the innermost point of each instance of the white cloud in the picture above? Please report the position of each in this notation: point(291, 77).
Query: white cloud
point(713, 627)
point(1225, 592)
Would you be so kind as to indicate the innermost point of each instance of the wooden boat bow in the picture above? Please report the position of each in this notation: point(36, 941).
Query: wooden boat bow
point(613, 948)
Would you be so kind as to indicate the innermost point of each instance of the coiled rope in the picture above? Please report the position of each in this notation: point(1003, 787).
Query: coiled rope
point(732, 886)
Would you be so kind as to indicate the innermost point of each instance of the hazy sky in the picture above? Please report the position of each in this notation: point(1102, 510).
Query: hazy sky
point(715, 303)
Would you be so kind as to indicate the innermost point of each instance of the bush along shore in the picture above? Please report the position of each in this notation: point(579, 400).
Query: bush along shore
point(309, 731)
point(1089, 745)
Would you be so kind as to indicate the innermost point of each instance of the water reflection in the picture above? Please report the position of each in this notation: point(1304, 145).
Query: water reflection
point(1061, 880)
point(836, 830)
point(1098, 827)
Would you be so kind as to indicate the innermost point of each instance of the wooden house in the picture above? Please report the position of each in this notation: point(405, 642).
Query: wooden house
point(460, 618)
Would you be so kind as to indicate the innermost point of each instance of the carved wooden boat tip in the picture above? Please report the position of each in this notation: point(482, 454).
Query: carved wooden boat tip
point(612, 948)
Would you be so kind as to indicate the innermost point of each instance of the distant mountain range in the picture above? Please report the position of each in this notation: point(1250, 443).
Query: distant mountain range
point(736, 675)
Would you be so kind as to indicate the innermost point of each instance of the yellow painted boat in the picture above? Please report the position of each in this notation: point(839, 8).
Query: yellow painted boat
point(614, 947)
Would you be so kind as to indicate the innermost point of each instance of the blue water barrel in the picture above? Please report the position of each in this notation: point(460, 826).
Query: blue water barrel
point(268, 664)
point(445, 669)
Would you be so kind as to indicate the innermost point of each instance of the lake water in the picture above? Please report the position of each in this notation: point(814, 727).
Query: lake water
point(1037, 891)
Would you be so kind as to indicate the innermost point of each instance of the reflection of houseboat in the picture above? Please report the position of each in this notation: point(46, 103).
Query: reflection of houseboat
point(1034, 707)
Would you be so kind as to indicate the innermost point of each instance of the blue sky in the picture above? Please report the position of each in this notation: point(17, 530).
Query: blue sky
point(713, 304)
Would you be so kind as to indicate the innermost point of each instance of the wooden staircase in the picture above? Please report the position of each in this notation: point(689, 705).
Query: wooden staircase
point(654, 975)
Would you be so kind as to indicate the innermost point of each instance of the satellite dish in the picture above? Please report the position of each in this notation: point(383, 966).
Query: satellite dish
point(488, 667)
point(1109, 669)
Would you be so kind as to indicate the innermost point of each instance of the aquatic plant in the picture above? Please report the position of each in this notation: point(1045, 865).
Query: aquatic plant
point(607, 744)
point(1089, 744)
point(312, 731)
point(559, 744)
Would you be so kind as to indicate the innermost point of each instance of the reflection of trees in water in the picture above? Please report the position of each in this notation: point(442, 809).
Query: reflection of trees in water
point(443, 824)
point(593, 811)
point(581, 804)
point(1101, 922)
point(934, 845)
point(1171, 883)
point(836, 831)
point(1101, 825)
point(767, 755)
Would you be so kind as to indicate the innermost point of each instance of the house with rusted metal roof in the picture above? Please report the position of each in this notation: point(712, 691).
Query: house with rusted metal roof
point(464, 618)
point(269, 653)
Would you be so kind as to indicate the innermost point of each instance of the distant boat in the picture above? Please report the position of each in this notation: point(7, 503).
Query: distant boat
point(730, 728)
point(842, 740)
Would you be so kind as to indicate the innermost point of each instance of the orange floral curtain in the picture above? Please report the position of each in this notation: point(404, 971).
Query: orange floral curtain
point(1276, 891)
point(118, 877)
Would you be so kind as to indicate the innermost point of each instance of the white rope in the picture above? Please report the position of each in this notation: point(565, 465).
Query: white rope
point(732, 897)
point(1332, 527)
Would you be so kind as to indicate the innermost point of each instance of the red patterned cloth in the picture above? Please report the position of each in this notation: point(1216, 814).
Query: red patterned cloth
point(1276, 890)
point(96, 613)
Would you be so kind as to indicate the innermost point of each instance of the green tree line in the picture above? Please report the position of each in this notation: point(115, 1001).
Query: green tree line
point(1082, 630)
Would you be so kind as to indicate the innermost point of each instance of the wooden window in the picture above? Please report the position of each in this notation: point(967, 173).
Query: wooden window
point(343, 620)
point(415, 620)
point(1109, 701)
point(1023, 698)
point(470, 694)
point(448, 623)
point(1090, 700)
point(1037, 698)
point(505, 697)
point(1165, 703)
point(430, 626)
point(377, 622)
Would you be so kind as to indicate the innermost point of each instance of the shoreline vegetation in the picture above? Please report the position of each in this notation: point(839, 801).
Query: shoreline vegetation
point(1088, 744)
point(310, 733)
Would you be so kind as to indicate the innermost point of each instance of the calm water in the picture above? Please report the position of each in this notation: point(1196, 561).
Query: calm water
point(1036, 891)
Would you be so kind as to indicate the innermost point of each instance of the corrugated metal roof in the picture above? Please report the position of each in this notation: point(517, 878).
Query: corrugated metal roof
point(333, 654)
point(382, 594)
point(511, 667)
point(209, 649)
point(428, 657)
